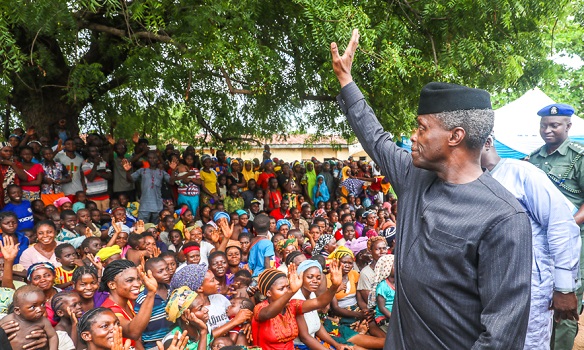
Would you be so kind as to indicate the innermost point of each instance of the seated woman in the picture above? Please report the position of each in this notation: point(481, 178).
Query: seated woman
point(383, 293)
point(42, 275)
point(345, 305)
point(44, 249)
point(122, 280)
point(275, 317)
point(309, 324)
point(187, 311)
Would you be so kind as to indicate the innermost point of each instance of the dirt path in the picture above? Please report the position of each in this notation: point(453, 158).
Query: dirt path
point(579, 343)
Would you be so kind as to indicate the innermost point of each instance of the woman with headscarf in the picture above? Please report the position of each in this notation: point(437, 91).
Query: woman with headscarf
point(324, 245)
point(235, 176)
point(329, 179)
point(345, 304)
point(377, 247)
point(275, 317)
point(351, 185)
point(320, 192)
point(383, 291)
point(189, 314)
point(248, 172)
point(283, 226)
point(309, 324)
point(309, 181)
point(123, 281)
point(11, 171)
point(42, 275)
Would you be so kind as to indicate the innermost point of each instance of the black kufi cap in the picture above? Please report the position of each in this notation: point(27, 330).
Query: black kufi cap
point(444, 97)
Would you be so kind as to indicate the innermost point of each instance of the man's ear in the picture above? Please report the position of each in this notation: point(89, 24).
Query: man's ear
point(457, 135)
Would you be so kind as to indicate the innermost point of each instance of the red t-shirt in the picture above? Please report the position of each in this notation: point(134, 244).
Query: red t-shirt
point(279, 332)
point(264, 180)
point(120, 313)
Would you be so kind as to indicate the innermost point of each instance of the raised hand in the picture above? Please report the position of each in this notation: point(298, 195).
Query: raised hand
point(136, 137)
point(110, 139)
point(88, 232)
point(148, 280)
point(117, 228)
point(95, 261)
point(342, 64)
point(72, 316)
point(176, 343)
point(126, 165)
point(173, 164)
point(139, 227)
point(8, 248)
point(336, 273)
point(225, 228)
point(246, 329)
point(293, 278)
point(119, 340)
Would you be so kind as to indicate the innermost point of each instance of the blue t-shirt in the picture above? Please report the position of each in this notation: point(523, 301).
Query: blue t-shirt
point(158, 326)
point(24, 213)
point(388, 293)
point(23, 240)
point(257, 254)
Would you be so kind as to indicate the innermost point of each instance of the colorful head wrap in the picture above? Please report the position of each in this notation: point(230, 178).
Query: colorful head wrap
point(382, 271)
point(14, 135)
point(357, 245)
point(178, 301)
point(367, 213)
point(307, 264)
point(371, 234)
point(267, 278)
point(181, 211)
point(372, 241)
point(319, 213)
point(59, 202)
point(283, 222)
point(220, 215)
point(40, 265)
point(105, 253)
point(241, 212)
point(283, 244)
point(341, 252)
point(190, 249)
point(191, 276)
point(319, 245)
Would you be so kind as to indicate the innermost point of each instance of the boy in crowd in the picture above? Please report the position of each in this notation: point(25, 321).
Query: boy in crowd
point(20, 207)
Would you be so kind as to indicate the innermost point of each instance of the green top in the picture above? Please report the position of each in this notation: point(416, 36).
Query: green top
point(191, 345)
point(565, 168)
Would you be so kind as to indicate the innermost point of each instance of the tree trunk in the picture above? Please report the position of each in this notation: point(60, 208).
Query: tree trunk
point(44, 107)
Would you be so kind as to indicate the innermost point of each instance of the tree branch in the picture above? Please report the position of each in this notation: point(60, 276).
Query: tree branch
point(233, 90)
point(123, 34)
point(201, 120)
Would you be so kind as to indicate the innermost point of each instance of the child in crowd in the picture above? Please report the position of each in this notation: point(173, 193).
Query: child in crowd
point(384, 286)
point(80, 201)
point(237, 304)
point(68, 232)
point(28, 311)
point(137, 249)
point(262, 250)
point(69, 259)
point(239, 288)
point(89, 249)
point(9, 227)
point(176, 239)
point(222, 185)
point(67, 308)
point(38, 210)
point(84, 222)
point(158, 326)
point(63, 203)
point(192, 253)
point(170, 258)
point(20, 207)
point(221, 342)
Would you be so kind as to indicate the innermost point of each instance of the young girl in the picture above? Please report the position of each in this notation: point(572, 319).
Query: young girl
point(383, 291)
point(275, 317)
point(31, 188)
point(67, 307)
point(86, 284)
point(9, 226)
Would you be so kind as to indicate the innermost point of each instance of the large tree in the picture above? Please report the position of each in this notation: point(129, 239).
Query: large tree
point(248, 69)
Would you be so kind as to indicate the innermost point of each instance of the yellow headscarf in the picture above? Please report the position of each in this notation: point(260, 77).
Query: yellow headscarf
point(340, 253)
point(179, 300)
point(251, 174)
point(346, 173)
point(105, 253)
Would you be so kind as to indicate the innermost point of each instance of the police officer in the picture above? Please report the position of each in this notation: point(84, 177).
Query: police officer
point(562, 160)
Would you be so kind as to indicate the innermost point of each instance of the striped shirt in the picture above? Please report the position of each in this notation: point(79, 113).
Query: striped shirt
point(158, 326)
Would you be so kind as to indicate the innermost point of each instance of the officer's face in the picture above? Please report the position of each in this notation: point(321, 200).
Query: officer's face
point(554, 130)
point(429, 142)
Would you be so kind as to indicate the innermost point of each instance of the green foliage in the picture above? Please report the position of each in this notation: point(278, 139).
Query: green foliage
point(249, 69)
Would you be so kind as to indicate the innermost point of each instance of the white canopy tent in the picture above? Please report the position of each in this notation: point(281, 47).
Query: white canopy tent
point(517, 125)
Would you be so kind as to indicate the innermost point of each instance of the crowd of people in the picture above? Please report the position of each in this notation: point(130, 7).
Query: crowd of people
point(171, 248)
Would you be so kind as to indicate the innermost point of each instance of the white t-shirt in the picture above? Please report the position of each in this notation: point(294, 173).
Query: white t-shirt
point(217, 311)
point(74, 169)
point(366, 278)
point(65, 341)
point(311, 318)
point(206, 248)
